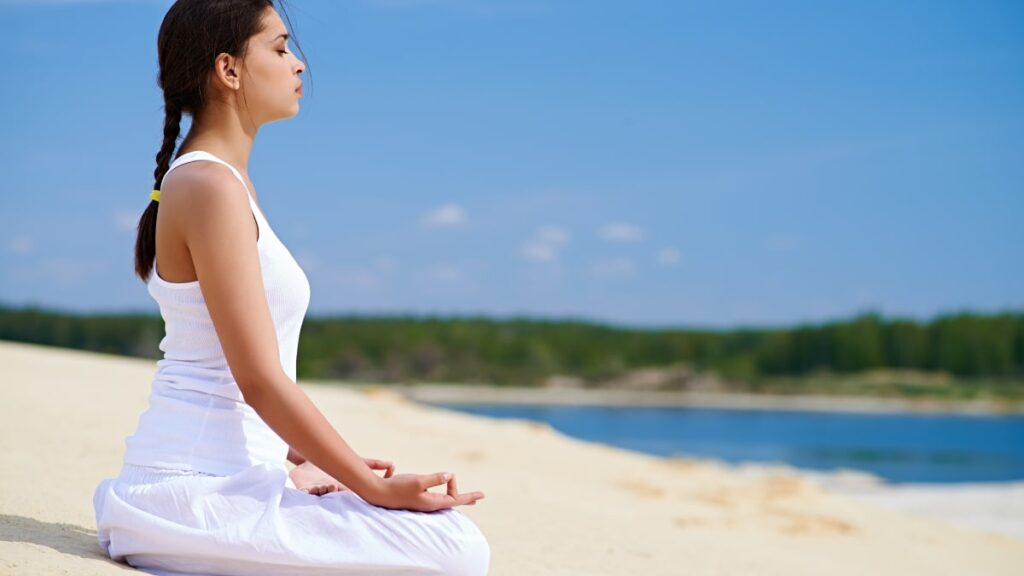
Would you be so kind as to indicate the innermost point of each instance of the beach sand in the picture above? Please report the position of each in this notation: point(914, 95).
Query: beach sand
point(554, 505)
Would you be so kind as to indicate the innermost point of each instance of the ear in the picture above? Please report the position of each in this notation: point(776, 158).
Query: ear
point(226, 71)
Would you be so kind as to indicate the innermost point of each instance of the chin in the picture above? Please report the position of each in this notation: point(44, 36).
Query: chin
point(286, 114)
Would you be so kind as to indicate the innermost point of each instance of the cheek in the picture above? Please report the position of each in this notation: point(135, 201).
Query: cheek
point(276, 75)
point(268, 85)
point(267, 72)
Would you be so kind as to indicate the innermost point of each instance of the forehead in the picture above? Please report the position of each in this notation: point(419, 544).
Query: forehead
point(273, 26)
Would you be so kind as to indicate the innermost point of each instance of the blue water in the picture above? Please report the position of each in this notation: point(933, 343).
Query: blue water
point(941, 448)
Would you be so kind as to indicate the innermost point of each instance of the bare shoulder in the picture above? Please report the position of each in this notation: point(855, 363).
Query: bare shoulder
point(201, 182)
point(202, 196)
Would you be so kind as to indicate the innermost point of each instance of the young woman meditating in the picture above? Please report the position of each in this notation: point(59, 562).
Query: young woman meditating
point(204, 487)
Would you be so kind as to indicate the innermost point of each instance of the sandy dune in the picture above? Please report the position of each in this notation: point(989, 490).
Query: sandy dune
point(554, 505)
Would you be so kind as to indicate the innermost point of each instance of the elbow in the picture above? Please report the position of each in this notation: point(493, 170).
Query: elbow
point(250, 393)
point(255, 389)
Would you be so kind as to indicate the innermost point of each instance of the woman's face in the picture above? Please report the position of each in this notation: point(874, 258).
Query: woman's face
point(270, 76)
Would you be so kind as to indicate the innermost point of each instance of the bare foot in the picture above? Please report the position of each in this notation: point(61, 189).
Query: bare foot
point(309, 478)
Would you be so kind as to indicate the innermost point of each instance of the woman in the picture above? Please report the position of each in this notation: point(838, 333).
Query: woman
point(204, 487)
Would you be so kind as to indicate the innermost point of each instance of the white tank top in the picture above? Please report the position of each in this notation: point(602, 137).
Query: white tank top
point(197, 418)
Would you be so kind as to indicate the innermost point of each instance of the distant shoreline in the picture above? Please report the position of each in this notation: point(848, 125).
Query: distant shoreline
point(478, 394)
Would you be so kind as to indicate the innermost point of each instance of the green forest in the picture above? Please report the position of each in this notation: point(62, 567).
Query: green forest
point(963, 355)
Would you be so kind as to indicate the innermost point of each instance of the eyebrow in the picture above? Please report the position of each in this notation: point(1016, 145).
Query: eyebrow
point(285, 36)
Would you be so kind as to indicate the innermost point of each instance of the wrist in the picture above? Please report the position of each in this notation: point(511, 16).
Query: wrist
point(371, 488)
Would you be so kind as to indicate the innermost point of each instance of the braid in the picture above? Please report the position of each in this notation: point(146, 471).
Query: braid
point(172, 128)
point(145, 242)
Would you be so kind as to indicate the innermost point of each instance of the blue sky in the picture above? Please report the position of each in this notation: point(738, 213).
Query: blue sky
point(636, 162)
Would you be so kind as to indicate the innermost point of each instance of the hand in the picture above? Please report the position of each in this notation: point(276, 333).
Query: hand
point(409, 492)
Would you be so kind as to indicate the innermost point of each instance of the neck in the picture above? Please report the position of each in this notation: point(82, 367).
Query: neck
point(223, 132)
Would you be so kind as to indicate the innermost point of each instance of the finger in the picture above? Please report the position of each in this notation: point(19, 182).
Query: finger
point(435, 501)
point(435, 479)
point(388, 467)
point(453, 489)
point(469, 498)
point(439, 501)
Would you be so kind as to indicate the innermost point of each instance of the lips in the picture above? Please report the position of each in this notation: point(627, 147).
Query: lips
point(299, 89)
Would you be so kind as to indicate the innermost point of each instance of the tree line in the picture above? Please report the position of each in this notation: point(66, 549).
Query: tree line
point(525, 351)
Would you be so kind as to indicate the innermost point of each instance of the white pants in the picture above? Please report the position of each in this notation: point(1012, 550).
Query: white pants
point(255, 522)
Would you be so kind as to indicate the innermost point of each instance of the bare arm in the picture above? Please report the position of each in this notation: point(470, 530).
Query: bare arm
point(212, 208)
point(288, 411)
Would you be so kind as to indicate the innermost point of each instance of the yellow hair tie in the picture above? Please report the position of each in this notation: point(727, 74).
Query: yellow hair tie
point(155, 195)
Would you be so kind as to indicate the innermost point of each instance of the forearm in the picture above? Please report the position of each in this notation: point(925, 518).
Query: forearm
point(286, 408)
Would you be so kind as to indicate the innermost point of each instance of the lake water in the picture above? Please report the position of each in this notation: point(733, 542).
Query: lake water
point(942, 448)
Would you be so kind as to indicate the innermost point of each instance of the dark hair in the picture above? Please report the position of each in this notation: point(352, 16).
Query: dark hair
point(192, 34)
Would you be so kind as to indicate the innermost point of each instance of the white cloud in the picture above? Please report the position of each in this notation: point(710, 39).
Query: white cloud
point(613, 268)
point(445, 216)
point(386, 264)
point(68, 272)
point(538, 252)
point(446, 273)
point(126, 221)
point(353, 277)
point(669, 256)
point(546, 245)
point(308, 261)
point(357, 276)
point(300, 230)
point(553, 235)
point(19, 245)
point(622, 232)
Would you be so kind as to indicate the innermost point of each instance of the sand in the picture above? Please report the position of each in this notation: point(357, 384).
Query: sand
point(555, 505)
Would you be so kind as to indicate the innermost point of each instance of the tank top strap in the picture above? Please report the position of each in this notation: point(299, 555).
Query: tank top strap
point(204, 155)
